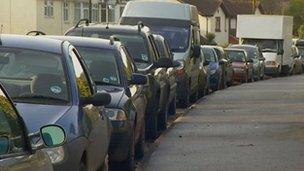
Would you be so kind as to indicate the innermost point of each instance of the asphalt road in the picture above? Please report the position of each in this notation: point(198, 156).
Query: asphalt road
point(257, 126)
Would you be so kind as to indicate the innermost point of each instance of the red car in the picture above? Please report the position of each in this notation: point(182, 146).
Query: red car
point(241, 64)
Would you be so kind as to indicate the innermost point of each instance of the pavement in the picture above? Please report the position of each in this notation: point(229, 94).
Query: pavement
point(251, 127)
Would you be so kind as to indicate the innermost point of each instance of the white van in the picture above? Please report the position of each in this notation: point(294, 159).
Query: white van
point(178, 23)
point(273, 34)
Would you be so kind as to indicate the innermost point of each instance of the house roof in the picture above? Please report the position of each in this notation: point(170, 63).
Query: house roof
point(231, 8)
point(205, 7)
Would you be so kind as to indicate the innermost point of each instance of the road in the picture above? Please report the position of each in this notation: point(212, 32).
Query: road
point(257, 126)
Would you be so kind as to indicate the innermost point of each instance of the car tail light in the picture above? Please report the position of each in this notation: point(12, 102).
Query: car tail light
point(180, 72)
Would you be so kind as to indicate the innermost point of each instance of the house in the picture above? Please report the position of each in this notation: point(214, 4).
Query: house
point(219, 16)
point(54, 16)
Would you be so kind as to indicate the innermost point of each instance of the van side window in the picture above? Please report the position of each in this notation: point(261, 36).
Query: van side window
point(11, 132)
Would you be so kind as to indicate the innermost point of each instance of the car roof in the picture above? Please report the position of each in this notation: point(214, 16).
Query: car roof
point(244, 45)
point(117, 28)
point(88, 42)
point(31, 42)
point(235, 49)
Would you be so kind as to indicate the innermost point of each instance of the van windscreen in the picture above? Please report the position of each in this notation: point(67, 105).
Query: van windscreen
point(176, 32)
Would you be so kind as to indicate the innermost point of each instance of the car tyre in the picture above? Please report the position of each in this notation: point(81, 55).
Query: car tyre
point(194, 97)
point(185, 101)
point(129, 163)
point(140, 146)
point(163, 119)
point(82, 165)
point(172, 107)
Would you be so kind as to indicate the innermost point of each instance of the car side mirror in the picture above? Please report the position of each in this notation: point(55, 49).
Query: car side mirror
point(163, 63)
point(262, 59)
point(98, 99)
point(196, 51)
point(53, 135)
point(206, 63)
point(138, 79)
point(4, 145)
point(250, 60)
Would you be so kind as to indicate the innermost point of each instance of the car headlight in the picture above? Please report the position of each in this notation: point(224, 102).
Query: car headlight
point(115, 114)
point(212, 72)
point(56, 154)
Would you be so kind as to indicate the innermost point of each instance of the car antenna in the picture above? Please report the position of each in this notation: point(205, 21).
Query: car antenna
point(140, 25)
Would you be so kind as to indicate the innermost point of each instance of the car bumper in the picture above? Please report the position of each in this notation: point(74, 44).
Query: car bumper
point(271, 70)
point(120, 141)
point(239, 74)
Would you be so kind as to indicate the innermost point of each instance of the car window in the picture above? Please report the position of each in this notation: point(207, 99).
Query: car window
point(236, 56)
point(102, 65)
point(128, 66)
point(81, 77)
point(12, 139)
point(154, 47)
point(209, 55)
point(33, 76)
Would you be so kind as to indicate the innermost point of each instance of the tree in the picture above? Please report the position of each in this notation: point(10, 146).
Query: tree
point(297, 11)
point(210, 39)
point(301, 32)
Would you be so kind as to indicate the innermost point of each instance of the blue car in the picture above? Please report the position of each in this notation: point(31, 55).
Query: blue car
point(49, 84)
point(214, 67)
point(113, 71)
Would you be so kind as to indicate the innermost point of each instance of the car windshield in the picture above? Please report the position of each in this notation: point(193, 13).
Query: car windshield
point(236, 56)
point(177, 37)
point(135, 44)
point(209, 55)
point(33, 76)
point(252, 52)
point(265, 45)
point(102, 65)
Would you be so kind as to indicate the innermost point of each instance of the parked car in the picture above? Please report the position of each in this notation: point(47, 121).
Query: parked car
point(49, 84)
point(179, 24)
point(226, 67)
point(242, 65)
point(256, 55)
point(18, 152)
point(296, 67)
point(300, 45)
point(215, 68)
point(204, 75)
point(142, 47)
point(164, 50)
point(114, 72)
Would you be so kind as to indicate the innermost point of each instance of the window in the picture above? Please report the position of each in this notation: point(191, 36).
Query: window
point(48, 8)
point(11, 132)
point(103, 12)
point(95, 13)
point(218, 24)
point(83, 83)
point(81, 10)
point(128, 67)
point(65, 11)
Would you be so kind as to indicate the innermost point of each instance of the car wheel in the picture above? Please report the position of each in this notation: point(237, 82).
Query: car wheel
point(185, 101)
point(152, 130)
point(172, 107)
point(140, 146)
point(163, 118)
point(129, 163)
point(82, 166)
point(194, 97)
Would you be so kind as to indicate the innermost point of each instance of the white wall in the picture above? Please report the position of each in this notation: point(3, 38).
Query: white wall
point(221, 37)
